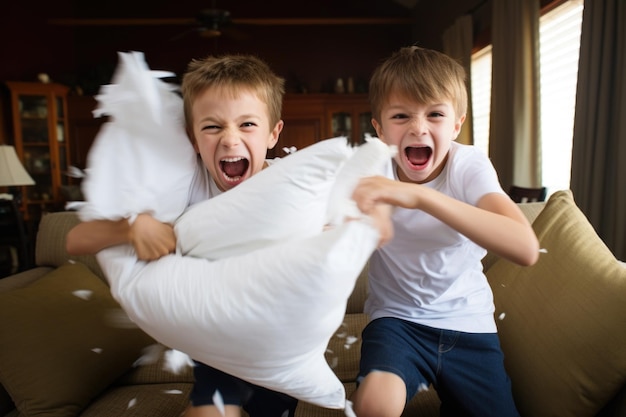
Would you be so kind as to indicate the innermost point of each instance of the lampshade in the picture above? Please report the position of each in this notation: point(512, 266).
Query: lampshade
point(12, 173)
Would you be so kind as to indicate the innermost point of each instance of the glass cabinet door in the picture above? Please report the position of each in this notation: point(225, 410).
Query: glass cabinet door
point(41, 140)
point(350, 116)
point(35, 136)
point(342, 124)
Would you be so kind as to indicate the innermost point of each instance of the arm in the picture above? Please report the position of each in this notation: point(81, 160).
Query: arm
point(496, 223)
point(150, 238)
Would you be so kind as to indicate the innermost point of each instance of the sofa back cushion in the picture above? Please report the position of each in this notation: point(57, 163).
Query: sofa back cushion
point(561, 321)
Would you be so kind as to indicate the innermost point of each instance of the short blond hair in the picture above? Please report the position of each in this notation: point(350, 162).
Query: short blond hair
point(420, 74)
point(233, 73)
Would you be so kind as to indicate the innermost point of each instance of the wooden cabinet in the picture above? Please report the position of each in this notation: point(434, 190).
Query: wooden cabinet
point(41, 140)
point(310, 118)
point(305, 122)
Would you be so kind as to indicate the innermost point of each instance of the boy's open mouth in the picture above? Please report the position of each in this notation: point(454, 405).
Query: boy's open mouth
point(418, 156)
point(234, 168)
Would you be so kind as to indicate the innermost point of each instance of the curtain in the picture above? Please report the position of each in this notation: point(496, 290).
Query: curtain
point(514, 131)
point(458, 41)
point(598, 177)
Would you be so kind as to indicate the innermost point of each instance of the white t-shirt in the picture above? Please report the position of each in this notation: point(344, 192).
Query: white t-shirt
point(429, 273)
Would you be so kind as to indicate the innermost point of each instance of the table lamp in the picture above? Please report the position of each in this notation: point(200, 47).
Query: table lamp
point(12, 173)
point(12, 231)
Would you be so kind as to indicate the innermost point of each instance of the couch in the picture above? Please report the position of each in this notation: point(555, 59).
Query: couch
point(67, 350)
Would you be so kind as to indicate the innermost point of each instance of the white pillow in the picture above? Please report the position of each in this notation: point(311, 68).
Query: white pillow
point(287, 199)
point(142, 159)
point(312, 189)
point(264, 316)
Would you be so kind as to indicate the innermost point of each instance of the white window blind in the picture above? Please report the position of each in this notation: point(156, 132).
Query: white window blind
point(559, 46)
point(481, 96)
point(559, 43)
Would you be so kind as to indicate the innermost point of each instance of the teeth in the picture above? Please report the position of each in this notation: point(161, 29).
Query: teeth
point(233, 159)
point(231, 179)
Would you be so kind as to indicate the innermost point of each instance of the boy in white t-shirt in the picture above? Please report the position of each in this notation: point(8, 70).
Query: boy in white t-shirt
point(232, 110)
point(430, 305)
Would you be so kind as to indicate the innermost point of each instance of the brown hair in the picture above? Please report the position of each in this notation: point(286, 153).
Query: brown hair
point(236, 73)
point(420, 74)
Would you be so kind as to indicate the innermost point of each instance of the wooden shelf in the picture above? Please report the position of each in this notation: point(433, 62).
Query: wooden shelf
point(310, 118)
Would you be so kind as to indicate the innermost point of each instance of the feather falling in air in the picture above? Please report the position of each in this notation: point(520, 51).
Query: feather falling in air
point(176, 361)
point(84, 294)
point(149, 355)
point(218, 401)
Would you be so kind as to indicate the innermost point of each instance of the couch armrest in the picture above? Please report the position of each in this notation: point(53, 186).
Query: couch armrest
point(50, 247)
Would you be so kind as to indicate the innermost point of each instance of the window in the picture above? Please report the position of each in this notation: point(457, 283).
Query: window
point(559, 45)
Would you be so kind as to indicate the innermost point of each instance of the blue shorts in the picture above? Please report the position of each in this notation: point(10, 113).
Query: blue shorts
point(466, 369)
point(257, 401)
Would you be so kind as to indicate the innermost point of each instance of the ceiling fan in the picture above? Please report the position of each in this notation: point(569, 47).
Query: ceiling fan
point(211, 22)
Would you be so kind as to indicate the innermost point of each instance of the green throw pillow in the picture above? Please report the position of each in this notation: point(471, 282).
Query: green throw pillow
point(562, 321)
point(59, 343)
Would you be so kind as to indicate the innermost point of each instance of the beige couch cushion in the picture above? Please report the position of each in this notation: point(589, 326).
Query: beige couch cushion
point(57, 350)
point(148, 400)
point(562, 321)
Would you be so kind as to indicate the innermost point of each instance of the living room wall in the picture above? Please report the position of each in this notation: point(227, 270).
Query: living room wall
point(310, 57)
